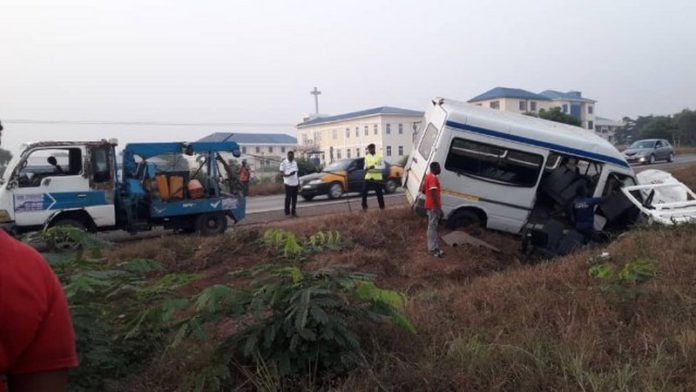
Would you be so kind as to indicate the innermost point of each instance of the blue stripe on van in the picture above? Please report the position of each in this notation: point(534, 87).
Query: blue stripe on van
point(539, 143)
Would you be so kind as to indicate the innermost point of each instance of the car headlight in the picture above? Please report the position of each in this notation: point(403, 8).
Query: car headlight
point(5, 216)
point(316, 182)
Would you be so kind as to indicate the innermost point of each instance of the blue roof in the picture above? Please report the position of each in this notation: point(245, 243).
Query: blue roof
point(251, 138)
point(568, 96)
point(505, 92)
point(384, 110)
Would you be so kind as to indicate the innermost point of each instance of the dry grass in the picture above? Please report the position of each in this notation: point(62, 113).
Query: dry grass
point(685, 150)
point(266, 189)
point(687, 175)
point(488, 321)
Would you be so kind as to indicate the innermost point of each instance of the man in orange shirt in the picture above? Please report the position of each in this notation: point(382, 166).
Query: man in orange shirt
point(37, 342)
point(433, 205)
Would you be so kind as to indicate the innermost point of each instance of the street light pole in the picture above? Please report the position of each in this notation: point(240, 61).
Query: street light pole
point(316, 93)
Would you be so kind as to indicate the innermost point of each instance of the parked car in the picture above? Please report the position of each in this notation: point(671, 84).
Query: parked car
point(346, 175)
point(647, 151)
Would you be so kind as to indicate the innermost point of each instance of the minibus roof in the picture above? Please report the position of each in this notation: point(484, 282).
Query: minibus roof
point(520, 128)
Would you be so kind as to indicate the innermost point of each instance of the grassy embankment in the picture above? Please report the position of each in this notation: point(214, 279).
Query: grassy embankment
point(484, 320)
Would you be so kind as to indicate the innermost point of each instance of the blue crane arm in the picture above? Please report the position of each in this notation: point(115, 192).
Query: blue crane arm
point(149, 150)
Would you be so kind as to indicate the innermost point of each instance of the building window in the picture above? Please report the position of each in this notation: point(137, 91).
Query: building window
point(347, 133)
point(532, 106)
point(357, 131)
point(590, 125)
point(334, 133)
point(374, 128)
point(367, 130)
point(388, 129)
point(590, 109)
point(401, 129)
point(270, 149)
point(523, 106)
point(497, 164)
point(401, 151)
point(495, 104)
point(258, 150)
point(565, 108)
point(282, 149)
point(338, 153)
point(357, 152)
point(243, 150)
point(347, 152)
point(388, 151)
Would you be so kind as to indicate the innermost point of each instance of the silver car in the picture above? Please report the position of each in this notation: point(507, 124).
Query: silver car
point(648, 151)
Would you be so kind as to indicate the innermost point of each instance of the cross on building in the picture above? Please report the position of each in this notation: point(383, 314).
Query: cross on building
point(316, 93)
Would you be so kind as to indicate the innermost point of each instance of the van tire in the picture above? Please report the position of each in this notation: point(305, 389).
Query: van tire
point(464, 219)
point(211, 224)
point(390, 186)
point(63, 243)
point(335, 190)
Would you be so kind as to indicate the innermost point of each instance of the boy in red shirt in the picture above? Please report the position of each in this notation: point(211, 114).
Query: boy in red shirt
point(433, 205)
point(37, 342)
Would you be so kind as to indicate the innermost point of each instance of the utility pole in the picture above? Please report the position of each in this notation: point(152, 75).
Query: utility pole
point(316, 93)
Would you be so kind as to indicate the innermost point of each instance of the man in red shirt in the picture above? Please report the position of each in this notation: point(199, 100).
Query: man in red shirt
point(433, 205)
point(37, 342)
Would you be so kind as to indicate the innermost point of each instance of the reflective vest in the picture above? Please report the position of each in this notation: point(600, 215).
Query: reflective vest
point(376, 172)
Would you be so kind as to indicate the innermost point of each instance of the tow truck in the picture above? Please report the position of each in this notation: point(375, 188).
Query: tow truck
point(89, 186)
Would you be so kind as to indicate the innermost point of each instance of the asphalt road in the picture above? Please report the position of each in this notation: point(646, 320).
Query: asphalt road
point(276, 202)
point(678, 160)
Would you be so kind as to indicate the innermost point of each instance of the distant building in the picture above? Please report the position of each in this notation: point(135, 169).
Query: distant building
point(523, 101)
point(263, 151)
point(606, 128)
point(347, 135)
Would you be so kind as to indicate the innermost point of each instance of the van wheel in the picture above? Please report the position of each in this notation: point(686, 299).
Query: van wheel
point(391, 186)
point(465, 219)
point(211, 224)
point(335, 191)
point(67, 241)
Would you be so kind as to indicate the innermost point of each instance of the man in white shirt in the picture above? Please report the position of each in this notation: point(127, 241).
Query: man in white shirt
point(288, 168)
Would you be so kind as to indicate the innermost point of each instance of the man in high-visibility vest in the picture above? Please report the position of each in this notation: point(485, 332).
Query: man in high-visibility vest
point(373, 176)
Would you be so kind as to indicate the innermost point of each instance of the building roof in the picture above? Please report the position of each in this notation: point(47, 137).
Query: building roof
point(531, 130)
point(602, 121)
point(382, 110)
point(575, 96)
point(251, 138)
point(505, 92)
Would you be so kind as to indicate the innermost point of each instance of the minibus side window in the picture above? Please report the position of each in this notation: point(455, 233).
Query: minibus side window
point(494, 163)
point(426, 144)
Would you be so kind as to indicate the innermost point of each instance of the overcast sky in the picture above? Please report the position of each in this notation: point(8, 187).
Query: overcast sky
point(254, 62)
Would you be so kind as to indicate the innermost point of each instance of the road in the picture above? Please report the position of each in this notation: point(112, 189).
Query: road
point(678, 160)
point(276, 202)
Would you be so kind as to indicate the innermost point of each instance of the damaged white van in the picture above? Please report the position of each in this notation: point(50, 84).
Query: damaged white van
point(511, 172)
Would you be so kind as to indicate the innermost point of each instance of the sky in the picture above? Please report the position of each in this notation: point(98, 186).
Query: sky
point(250, 65)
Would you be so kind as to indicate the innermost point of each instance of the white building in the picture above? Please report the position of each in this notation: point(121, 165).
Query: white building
point(347, 135)
point(606, 128)
point(523, 101)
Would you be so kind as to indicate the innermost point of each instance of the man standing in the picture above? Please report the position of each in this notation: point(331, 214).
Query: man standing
point(373, 176)
point(37, 342)
point(244, 176)
point(288, 168)
point(433, 205)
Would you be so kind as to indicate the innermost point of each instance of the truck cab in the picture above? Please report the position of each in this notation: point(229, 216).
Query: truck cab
point(50, 183)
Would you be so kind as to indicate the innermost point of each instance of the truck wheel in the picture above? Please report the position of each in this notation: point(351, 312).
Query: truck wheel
point(211, 224)
point(65, 241)
point(390, 186)
point(465, 219)
point(335, 191)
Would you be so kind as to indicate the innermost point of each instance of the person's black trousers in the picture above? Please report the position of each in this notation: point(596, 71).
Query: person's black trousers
point(377, 186)
point(290, 198)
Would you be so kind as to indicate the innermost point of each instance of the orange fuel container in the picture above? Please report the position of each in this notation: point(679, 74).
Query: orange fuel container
point(162, 186)
point(195, 189)
point(176, 187)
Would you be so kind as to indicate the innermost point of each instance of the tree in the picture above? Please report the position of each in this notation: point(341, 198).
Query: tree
point(659, 127)
point(685, 132)
point(5, 157)
point(555, 114)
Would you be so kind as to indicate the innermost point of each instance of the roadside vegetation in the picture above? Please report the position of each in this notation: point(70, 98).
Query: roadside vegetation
point(354, 302)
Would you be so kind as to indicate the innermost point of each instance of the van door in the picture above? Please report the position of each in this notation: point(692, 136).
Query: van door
point(48, 180)
point(418, 161)
point(102, 183)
